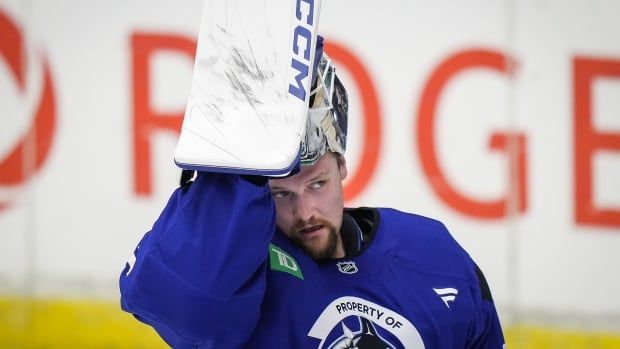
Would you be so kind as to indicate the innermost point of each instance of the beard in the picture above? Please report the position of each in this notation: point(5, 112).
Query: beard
point(324, 249)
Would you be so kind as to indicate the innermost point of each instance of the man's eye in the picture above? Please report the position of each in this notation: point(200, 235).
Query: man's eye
point(317, 184)
point(279, 194)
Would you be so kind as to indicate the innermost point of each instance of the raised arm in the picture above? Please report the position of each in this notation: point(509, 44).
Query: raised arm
point(199, 274)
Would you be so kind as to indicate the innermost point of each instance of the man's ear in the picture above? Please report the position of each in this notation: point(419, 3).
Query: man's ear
point(342, 167)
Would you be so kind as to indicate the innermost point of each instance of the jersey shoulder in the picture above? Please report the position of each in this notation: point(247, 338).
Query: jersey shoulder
point(422, 242)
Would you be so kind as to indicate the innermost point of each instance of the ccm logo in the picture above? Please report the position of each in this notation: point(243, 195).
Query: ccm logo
point(302, 45)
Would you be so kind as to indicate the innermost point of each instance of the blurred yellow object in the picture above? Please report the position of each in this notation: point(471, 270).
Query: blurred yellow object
point(538, 337)
point(44, 323)
point(67, 324)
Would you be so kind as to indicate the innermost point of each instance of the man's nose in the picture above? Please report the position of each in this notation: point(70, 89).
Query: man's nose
point(305, 208)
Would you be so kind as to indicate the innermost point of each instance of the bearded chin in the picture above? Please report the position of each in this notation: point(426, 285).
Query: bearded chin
point(324, 251)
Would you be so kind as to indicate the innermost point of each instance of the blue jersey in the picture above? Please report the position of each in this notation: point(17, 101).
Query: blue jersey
point(215, 272)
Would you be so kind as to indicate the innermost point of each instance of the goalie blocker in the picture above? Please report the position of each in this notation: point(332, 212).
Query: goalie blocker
point(249, 111)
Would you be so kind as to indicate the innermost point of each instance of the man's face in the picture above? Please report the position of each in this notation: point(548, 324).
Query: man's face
point(309, 206)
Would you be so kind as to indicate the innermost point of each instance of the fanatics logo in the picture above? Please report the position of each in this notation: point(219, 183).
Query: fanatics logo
point(347, 267)
point(447, 294)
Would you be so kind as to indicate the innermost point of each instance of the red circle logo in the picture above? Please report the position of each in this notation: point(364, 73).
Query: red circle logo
point(25, 157)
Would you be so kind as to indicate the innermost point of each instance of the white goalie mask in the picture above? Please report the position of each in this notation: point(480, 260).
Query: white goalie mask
point(326, 125)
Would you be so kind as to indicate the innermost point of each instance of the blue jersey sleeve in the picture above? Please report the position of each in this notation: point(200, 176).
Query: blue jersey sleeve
point(486, 332)
point(199, 275)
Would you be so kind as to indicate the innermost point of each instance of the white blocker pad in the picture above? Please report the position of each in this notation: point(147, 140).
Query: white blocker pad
point(248, 101)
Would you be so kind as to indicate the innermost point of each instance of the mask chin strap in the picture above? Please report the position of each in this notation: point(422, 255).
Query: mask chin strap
point(186, 177)
point(352, 238)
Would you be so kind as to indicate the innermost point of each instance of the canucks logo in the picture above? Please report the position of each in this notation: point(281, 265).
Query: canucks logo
point(355, 323)
point(366, 338)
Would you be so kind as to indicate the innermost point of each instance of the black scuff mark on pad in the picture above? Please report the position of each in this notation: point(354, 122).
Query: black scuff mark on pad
point(248, 66)
point(245, 72)
point(243, 88)
point(217, 110)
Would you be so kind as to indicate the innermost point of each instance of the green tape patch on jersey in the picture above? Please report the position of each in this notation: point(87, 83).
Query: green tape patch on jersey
point(282, 261)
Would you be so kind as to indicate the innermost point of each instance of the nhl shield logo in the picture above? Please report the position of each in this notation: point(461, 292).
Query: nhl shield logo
point(347, 267)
